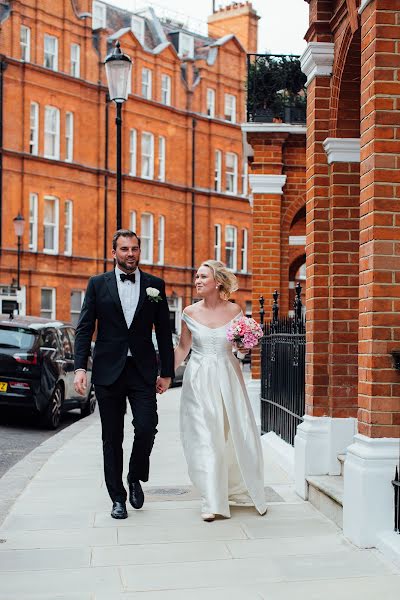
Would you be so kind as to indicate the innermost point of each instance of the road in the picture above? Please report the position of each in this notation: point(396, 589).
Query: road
point(20, 434)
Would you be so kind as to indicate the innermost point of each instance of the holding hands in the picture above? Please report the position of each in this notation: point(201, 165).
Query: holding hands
point(162, 384)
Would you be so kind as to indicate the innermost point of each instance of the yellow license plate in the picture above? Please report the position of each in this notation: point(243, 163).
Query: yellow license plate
point(3, 386)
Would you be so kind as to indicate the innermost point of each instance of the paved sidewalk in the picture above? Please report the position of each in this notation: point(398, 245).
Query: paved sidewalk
point(59, 542)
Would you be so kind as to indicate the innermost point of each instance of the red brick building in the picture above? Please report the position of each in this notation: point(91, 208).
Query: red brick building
point(353, 236)
point(184, 171)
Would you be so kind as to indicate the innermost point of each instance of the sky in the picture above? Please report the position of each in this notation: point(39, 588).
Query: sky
point(281, 28)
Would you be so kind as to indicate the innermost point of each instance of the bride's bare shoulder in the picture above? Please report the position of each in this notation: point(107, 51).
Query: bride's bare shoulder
point(234, 309)
point(191, 309)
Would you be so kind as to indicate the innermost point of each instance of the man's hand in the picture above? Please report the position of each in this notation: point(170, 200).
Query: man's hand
point(80, 382)
point(162, 384)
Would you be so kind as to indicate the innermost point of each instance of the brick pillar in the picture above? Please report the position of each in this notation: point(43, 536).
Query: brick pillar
point(267, 184)
point(343, 157)
point(317, 63)
point(370, 462)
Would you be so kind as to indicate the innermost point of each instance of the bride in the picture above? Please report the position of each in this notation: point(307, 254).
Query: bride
point(218, 430)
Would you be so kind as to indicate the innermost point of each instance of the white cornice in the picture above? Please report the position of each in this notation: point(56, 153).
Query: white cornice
point(342, 149)
point(274, 128)
point(317, 60)
point(363, 5)
point(267, 184)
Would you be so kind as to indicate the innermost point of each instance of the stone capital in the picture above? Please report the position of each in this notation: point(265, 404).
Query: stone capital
point(267, 184)
point(342, 149)
point(317, 60)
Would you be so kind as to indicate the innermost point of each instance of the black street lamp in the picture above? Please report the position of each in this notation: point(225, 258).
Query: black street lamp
point(19, 225)
point(118, 71)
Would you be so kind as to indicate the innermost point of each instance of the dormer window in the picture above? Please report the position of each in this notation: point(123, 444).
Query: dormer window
point(137, 26)
point(186, 45)
point(98, 15)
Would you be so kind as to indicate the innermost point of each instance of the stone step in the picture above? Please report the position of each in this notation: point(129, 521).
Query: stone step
point(325, 492)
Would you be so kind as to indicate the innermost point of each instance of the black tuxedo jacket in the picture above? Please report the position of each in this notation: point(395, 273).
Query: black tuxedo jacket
point(102, 305)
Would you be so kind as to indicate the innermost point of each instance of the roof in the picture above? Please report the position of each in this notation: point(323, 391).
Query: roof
point(30, 322)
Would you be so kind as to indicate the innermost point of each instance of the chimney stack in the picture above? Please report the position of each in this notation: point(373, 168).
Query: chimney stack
point(238, 18)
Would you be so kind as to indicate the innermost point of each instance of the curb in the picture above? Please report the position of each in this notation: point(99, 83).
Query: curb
point(15, 480)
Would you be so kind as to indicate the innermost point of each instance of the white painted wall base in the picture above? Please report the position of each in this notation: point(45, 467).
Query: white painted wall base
point(280, 451)
point(317, 443)
point(368, 508)
point(254, 391)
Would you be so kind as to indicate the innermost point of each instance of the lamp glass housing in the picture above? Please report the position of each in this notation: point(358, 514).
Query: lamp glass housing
point(118, 74)
point(19, 225)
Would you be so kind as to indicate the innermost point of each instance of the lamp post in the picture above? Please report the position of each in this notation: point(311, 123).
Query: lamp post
point(118, 70)
point(19, 225)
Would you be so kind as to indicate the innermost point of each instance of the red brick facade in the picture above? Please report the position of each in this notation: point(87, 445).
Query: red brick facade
point(353, 216)
point(87, 178)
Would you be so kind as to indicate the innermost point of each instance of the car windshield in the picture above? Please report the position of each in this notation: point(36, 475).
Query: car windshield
point(16, 337)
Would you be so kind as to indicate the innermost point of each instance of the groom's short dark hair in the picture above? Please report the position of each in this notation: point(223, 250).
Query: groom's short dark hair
point(123, 233)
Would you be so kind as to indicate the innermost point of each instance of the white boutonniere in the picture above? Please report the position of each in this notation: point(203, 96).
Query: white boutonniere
point(153, 294)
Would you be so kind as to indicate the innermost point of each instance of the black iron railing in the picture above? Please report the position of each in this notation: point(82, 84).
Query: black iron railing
point(283, 370)
point(396, 486)
point(275, 89)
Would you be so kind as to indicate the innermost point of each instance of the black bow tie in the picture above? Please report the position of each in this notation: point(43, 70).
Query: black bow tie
point(127, 277)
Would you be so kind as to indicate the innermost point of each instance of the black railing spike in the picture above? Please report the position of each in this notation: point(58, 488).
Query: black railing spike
point(297, 305)
point(275, 306)
point(261, 301)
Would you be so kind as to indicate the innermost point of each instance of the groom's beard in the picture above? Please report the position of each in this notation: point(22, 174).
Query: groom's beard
point(128, 267)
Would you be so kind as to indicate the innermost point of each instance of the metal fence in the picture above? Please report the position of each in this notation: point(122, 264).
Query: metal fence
point(275, 89)
point(396, 486)
point(283, 370)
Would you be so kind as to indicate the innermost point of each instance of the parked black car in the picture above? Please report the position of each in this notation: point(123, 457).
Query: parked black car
point(37, 368)
point(180, 370)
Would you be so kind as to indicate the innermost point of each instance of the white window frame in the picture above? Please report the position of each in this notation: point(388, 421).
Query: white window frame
point(33, 221)
point(146, 238)
point(186, 40)
point(25, 44)
point(53, 225)
point(98, 15)
point(68, 225)
point(138, 28)
point(147, 167)
point(52, 132)
point(162, 144)
point(211, 103)
point(75, 312)
point(161, 239)
point(217, 170)
point(244, 250)
point(217, 241)
point(231, 173)
point(165, 89)
point(230, 108)
point(132, 220)
point(245, 178)
point(34, 128)
point(231, 245)
point(69, 136)
point(132, 152)
point(50, 314)
point(147, 81)
point(50, 57)
point(75, 60)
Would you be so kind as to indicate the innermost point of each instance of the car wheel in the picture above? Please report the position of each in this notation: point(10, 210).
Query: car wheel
point(52, 415)
point(90, 404)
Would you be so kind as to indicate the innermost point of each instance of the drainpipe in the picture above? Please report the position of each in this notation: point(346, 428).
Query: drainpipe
point(194, 123)
point(3, 66)
point(105, 184)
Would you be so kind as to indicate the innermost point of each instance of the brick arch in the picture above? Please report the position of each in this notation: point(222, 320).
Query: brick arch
point(286, 222)
point(344, 110)
point(296, 263)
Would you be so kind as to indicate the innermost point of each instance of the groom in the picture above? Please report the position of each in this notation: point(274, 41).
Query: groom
point(125, 304)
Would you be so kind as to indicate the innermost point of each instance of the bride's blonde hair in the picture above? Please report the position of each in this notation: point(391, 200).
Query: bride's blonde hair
point(225, 279)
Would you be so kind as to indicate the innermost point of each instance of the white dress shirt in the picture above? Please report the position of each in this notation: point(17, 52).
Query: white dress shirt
point(129, 295)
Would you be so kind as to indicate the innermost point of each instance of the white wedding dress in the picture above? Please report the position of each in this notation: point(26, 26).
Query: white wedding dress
point(219, 434)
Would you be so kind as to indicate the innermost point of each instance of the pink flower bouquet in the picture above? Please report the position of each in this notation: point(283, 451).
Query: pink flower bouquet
point(244, 333)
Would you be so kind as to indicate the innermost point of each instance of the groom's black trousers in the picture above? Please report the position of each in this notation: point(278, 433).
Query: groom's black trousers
point(112, 406)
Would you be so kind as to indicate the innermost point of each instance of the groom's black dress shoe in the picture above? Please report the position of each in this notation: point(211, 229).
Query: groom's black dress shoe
point(136, 496)
point(119, 510)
